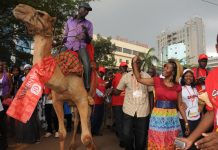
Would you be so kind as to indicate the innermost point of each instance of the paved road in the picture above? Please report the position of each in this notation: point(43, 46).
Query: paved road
point(106, 142)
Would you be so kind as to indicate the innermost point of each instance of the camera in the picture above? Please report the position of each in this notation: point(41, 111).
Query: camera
point(201, 80)
point(179, 144)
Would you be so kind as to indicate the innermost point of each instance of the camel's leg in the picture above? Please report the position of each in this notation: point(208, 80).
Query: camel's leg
point(75, 123)
point(86, 137)
point(58, 106)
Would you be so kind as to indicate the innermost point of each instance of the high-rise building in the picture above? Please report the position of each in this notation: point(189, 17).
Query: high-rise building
point(192, 34)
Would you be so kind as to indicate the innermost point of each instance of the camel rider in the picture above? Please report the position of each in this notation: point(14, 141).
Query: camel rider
point(78, 33)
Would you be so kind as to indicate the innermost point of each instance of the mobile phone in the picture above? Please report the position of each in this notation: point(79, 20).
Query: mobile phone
point(179, 143)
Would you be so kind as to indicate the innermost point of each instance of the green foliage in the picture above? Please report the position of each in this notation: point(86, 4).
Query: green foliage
point(104, 51)
point(12, 30)
point(149, 59)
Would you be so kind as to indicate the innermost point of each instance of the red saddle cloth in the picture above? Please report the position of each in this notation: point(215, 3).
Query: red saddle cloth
point(69, 62)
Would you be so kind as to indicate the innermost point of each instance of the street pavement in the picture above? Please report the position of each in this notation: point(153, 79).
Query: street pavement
point(108, 141)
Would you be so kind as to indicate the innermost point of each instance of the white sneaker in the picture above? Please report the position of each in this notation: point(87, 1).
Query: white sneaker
point(48, 134)
point(56, 135)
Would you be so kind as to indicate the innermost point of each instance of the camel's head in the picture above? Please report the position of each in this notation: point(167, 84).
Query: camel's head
point(37, 22)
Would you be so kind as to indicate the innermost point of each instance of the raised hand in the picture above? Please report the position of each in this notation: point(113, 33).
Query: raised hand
point(135, 58)
point(209, 142)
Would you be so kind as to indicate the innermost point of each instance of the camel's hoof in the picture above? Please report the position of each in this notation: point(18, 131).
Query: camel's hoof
point(87, 141)
point(61, 137)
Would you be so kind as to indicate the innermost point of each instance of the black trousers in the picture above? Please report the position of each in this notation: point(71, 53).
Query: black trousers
point(68, 117)
point(118, 118)
point(51, 117)
point(135, 132)
point(86, 65)
point(97, 118)
point(3, 131)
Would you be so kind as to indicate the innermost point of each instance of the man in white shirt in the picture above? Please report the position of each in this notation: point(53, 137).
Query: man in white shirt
point(136, 110)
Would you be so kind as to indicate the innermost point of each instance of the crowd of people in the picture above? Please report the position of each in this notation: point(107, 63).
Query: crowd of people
point(148, 110)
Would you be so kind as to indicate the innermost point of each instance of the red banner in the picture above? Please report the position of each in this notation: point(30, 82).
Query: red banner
point(30, 91)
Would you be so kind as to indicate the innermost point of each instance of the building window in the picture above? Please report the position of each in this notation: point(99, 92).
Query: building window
point(120, 60)
point(135, 53)
point(127, 61)
point(141, 54)
point(118, 49)
point(128, 51)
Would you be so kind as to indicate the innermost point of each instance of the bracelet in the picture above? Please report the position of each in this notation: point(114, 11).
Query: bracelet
point(186, 124)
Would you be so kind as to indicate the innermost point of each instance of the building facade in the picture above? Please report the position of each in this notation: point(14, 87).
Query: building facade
point(126, 50)
point(192, 34)
point(212, 62)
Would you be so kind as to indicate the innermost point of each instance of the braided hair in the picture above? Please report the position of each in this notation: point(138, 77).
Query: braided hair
point(173, 63)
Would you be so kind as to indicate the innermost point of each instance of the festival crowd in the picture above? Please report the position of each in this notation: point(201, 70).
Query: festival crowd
point(149, 112)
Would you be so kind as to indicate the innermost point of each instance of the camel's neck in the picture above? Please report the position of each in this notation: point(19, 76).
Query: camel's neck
point(42, 48)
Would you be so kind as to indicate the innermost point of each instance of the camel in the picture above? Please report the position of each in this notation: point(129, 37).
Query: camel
point(70, 87)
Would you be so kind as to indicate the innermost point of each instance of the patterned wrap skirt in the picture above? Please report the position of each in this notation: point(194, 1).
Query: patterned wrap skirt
point(164, 127)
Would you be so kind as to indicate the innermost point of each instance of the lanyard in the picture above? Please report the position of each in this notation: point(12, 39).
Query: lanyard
point(135, 83)
point(191, 96)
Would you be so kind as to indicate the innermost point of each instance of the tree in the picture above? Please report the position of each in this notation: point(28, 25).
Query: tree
point(12, 31)
point(148, 59)
point(184, 61)
point(104, 51)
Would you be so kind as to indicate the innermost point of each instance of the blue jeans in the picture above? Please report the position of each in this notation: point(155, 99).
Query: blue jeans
point(87, 67)
point(135, 132)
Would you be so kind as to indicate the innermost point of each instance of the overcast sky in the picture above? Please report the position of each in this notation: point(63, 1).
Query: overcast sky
point(143, 20)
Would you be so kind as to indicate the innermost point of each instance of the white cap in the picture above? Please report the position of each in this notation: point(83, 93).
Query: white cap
point(186, 70)
point(27, 66)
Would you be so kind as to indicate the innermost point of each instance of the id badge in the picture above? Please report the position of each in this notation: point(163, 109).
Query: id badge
point(203, 87)
point(137, 93)
point(193, 112)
